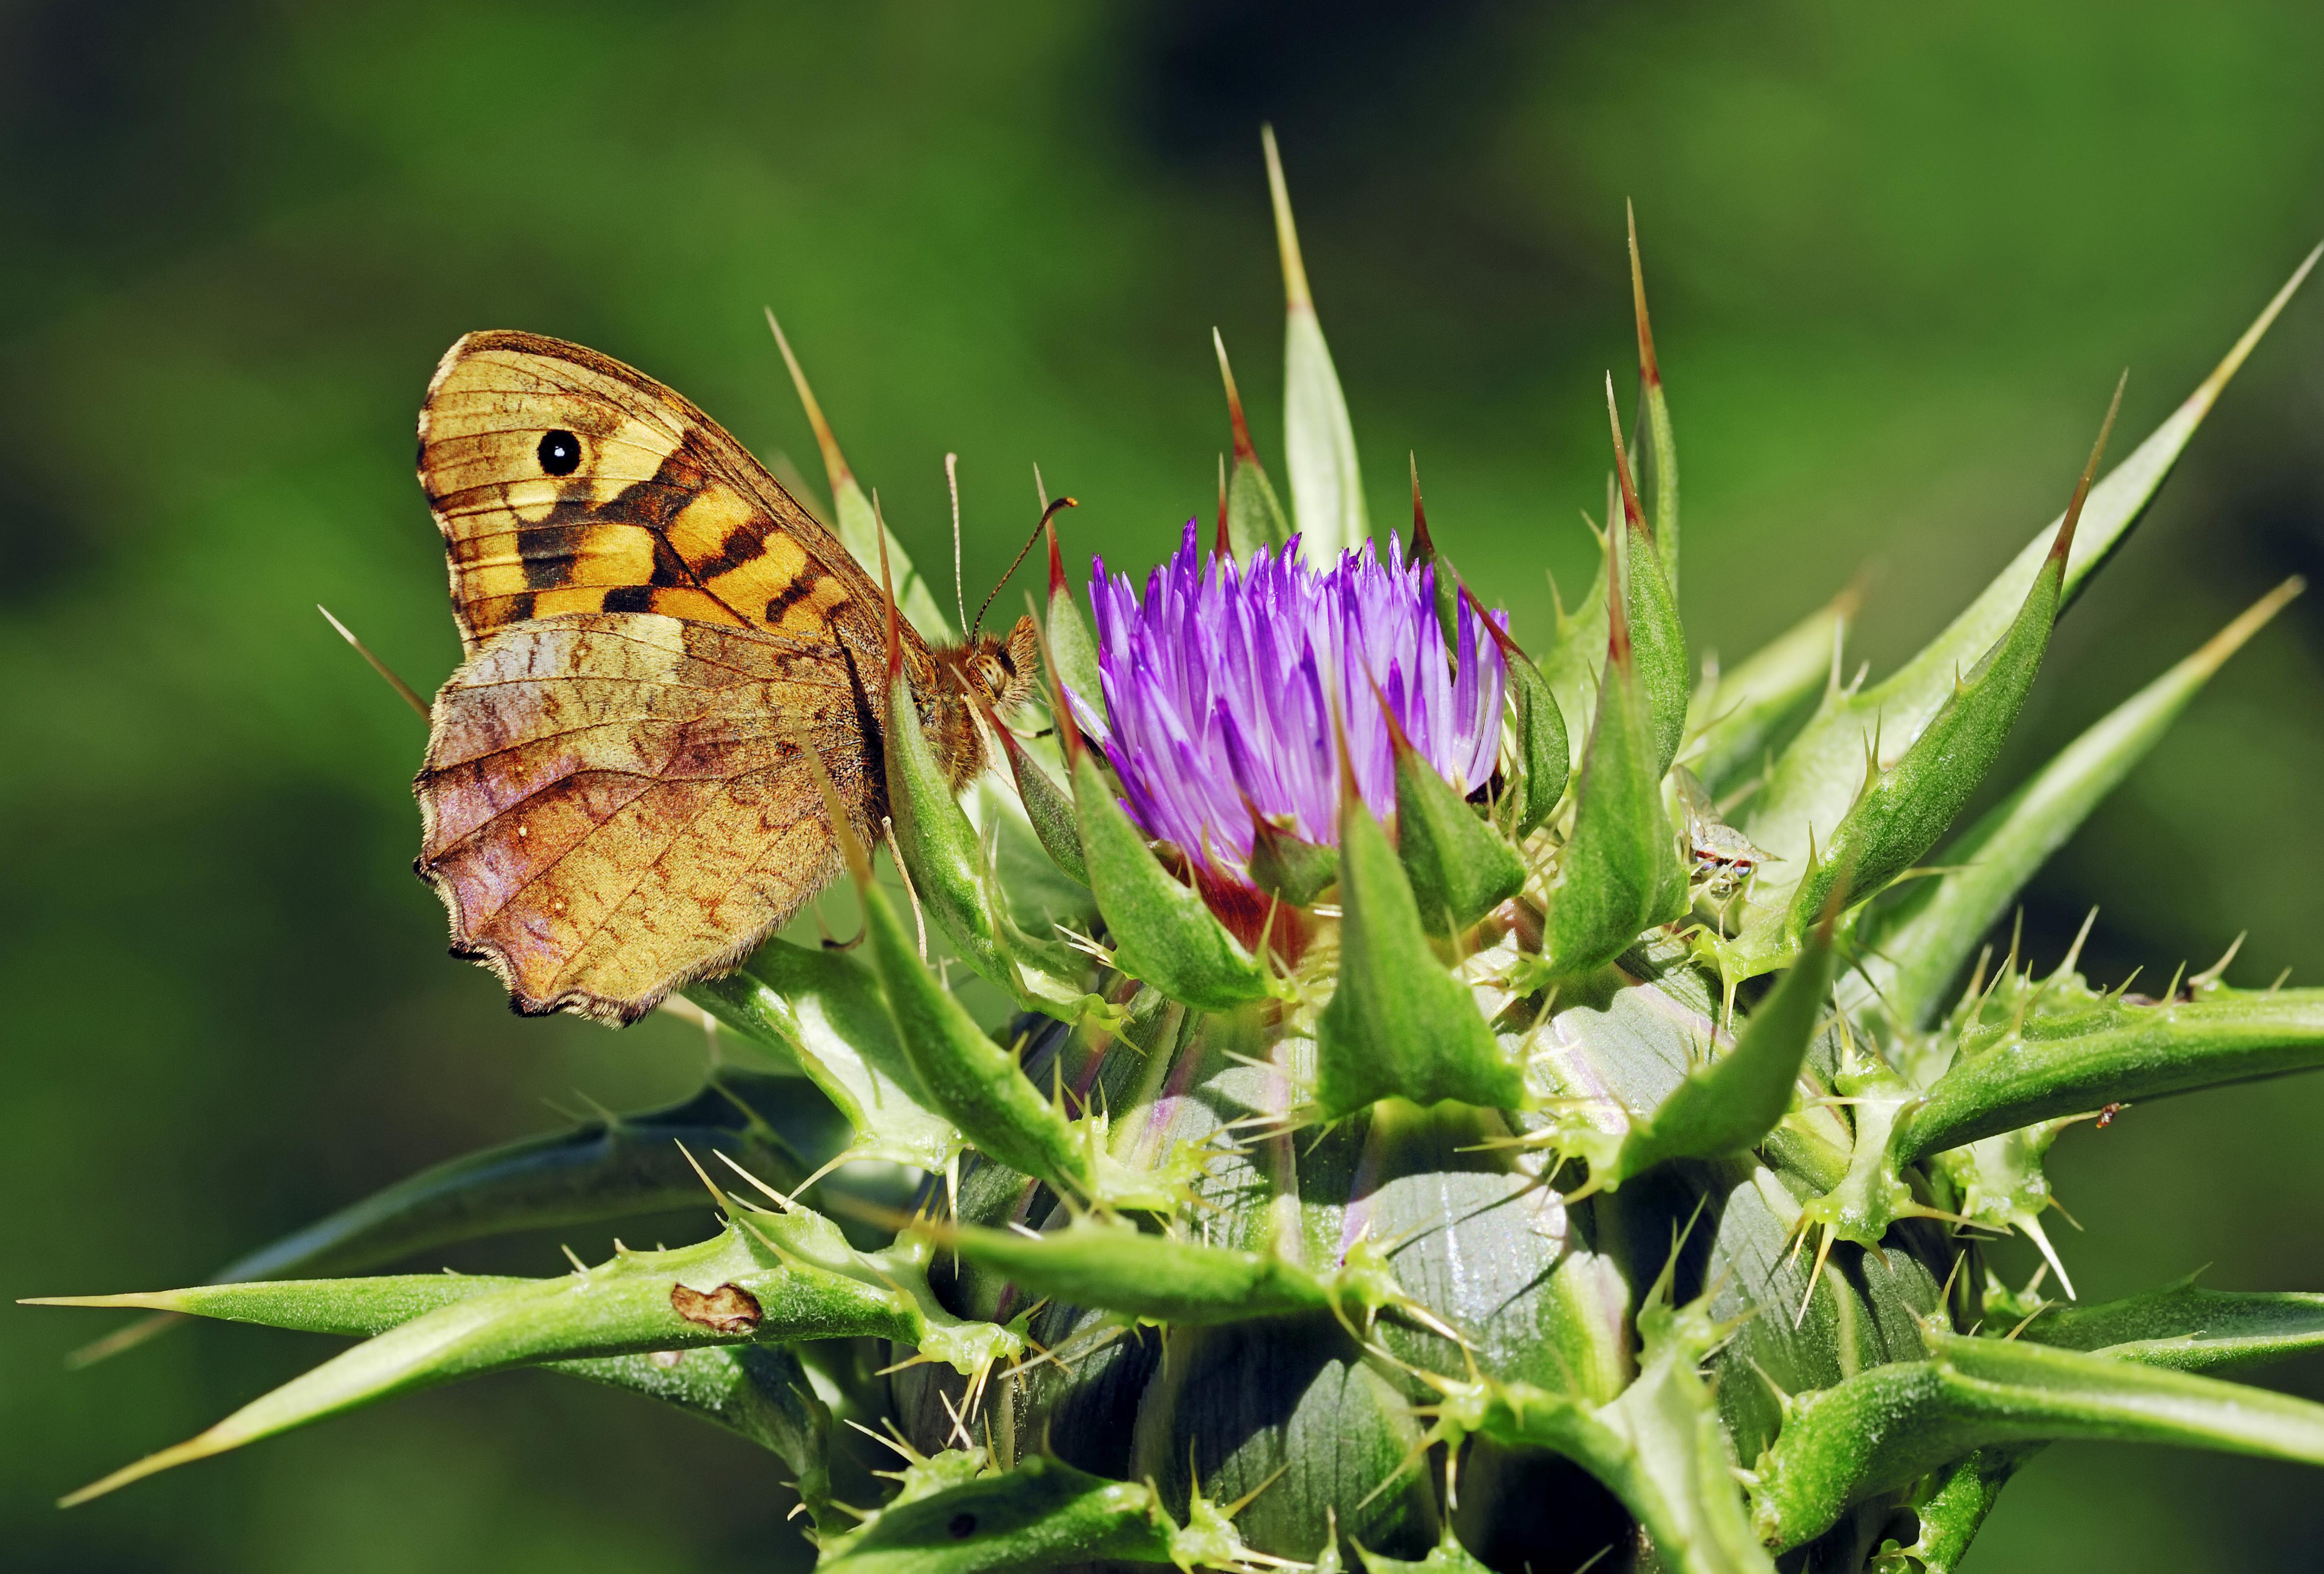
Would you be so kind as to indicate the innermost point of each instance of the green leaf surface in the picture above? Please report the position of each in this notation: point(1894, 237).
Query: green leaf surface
point(1885, 1427)
point(977, 1085)
point(1729, 1105)
point(1398, 1024)
point(1907, 806)
point(1118, 1268)
point(1039, 1515)
point(2101, 1050)
point(1048, 809)
point(951, 876)
point(1459, 865)
point(1289, 866)
point(1319, 443)
point(1540, 754)
point(1162, 932)
point(1818, 776)
point(607, 1168)
point(1659, 1447)
point(1446, 1557)
point(825, 1006)
point(2187, 1328)
point(1071, 644)
point(1920, 946)
point(759, 1393)
point(1657, 639)
point(1656, 446)
point(773, 1278)
point(1617, 874)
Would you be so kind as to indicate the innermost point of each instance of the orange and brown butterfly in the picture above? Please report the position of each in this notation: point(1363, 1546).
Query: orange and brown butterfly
point(615, 800)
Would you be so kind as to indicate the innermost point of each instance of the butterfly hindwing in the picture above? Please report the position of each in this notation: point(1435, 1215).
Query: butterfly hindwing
point(565, 481)
point(618, 803)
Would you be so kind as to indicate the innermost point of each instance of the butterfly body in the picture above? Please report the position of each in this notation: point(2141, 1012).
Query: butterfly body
point(616, 798)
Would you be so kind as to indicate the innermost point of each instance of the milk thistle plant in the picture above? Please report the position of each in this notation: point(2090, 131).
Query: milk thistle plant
point(1464, 1104)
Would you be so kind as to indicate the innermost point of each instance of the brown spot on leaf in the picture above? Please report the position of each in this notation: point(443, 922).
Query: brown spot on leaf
point(666, 1359)
point(728, 1309)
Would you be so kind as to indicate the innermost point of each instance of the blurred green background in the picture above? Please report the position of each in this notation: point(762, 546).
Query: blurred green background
point(1898, 255)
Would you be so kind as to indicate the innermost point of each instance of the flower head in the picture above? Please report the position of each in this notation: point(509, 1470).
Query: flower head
point(1220, 685)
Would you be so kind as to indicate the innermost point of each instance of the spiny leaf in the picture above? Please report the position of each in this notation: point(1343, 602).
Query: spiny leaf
point(1071, 648)
point(1882, 1428)
point(1658, 1448)
point(1254, 516)
point(856, 522)
point(2187, 1328)
point(1318, 445)
point(1161, 930)
point(1038, 1515)
point(977, 1084)
point(825, 1006)
point(1920, 946)
point(1817, 777)
point(1618, 873)
point(1658, 642)
point(1729, 1105)
point(1658, 447)
point(1460, 868)
point(777, 1277)
point(1541, 755)
point(1398, 1023)
point(1289, 866)
point(1047, 807)
point(1116, 1268)
point(2111, 1052)
point(1901, 814)
point(759, 1393)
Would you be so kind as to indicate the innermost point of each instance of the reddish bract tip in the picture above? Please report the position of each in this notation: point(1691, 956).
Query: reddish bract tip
point(1632, 514)
point(2064, 542)
point(1423, 546)
point(1243, 451)
point(1618, 624)
point(1225, 548)
point(1649, 372)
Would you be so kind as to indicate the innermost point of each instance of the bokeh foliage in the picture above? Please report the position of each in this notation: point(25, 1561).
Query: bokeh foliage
point(1896, 261)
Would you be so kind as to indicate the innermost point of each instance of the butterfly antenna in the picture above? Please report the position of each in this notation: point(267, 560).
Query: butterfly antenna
point(1047, 513)
point(951, 480)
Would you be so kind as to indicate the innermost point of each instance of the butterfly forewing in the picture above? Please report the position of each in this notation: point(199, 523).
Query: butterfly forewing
point(615, 798)
point(565, 481)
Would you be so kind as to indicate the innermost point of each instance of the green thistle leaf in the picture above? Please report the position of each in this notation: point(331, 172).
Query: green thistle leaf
point(2093, 1051)
point(1729, 1106)
point(1319, 443)
point(1618, 873)
point(1460, 868)
point(1883, 1428)
point(1398, 1024)
point(1920, 944)
point(825, 1008)
point(1161, 930)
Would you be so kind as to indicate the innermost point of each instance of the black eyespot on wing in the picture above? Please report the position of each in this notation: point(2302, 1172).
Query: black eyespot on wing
point(559, 453)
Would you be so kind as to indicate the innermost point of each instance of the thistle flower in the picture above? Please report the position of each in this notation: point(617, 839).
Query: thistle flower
point(1245, 1259)
point(1222, 685)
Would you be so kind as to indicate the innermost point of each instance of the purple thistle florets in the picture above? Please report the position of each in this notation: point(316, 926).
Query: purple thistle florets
point(1220, 686)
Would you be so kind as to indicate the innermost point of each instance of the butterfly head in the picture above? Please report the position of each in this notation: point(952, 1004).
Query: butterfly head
point(997, 671)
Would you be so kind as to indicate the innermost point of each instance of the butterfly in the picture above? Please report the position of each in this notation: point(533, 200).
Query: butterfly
point(616, 799)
